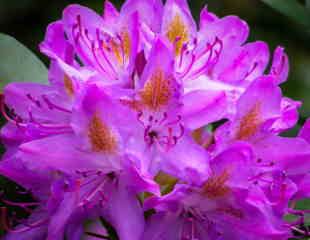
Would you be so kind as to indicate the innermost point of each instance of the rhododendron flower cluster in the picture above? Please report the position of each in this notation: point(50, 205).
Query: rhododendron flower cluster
point(158, 126)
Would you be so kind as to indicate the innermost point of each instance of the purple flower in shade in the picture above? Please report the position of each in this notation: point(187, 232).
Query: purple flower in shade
point(93, 153)
point(49, 213)
point(228, 205)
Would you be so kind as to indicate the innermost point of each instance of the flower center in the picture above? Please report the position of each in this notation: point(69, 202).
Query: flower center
point(177, 33)
point(215, 186)
point(161, 130)
point(157, 91)
point(101, 137)
point(68, 86)
point(249, 123)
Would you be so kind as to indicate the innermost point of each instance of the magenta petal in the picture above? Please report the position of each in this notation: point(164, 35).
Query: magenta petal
point(29, 101)
point(76, 19)
point(203, 107)
point(206, 17)
point(122, 203)
point(55, 43)
point(59, 219)
point(150, 12)
point(289, 115)
point(187, 161)
point(238, 162)
point(249, 64)
point(65, 153)
point(110, 13)
point(264, 94)
point(291, 155)
point(162, 224)
point(161, 58)
point(280, 65)
point(231, 30)
point(178, 9)
point(34, 177)
point(139, 181)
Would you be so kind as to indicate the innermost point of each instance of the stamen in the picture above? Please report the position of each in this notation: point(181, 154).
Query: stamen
point(80, 28)
point(94, 193)
point(189, 67)
point(184, 47)
point(213, 57)
point(104, 55)
point(255, 65)
point(52, 106)
point(35, 101)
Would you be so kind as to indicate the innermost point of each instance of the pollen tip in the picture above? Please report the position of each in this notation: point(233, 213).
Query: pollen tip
point(101, 137)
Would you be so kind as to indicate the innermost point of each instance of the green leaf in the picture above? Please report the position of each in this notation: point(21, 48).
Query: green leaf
point(292, 9)
point(308, 3)
point(18, 63)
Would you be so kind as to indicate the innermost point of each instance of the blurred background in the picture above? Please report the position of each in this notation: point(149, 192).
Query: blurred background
point(26, 20)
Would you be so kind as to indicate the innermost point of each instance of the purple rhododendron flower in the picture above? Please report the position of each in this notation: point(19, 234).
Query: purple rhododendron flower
point(124, 132)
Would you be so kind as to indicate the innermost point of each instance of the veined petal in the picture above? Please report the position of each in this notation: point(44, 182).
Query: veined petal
point(248, 65)
point(81, 25)
point(160, 88)
point(178, 24)
point(260, 102)
point(231, 30)
point(150, 12)
point(32, 101)
point(65, 153)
